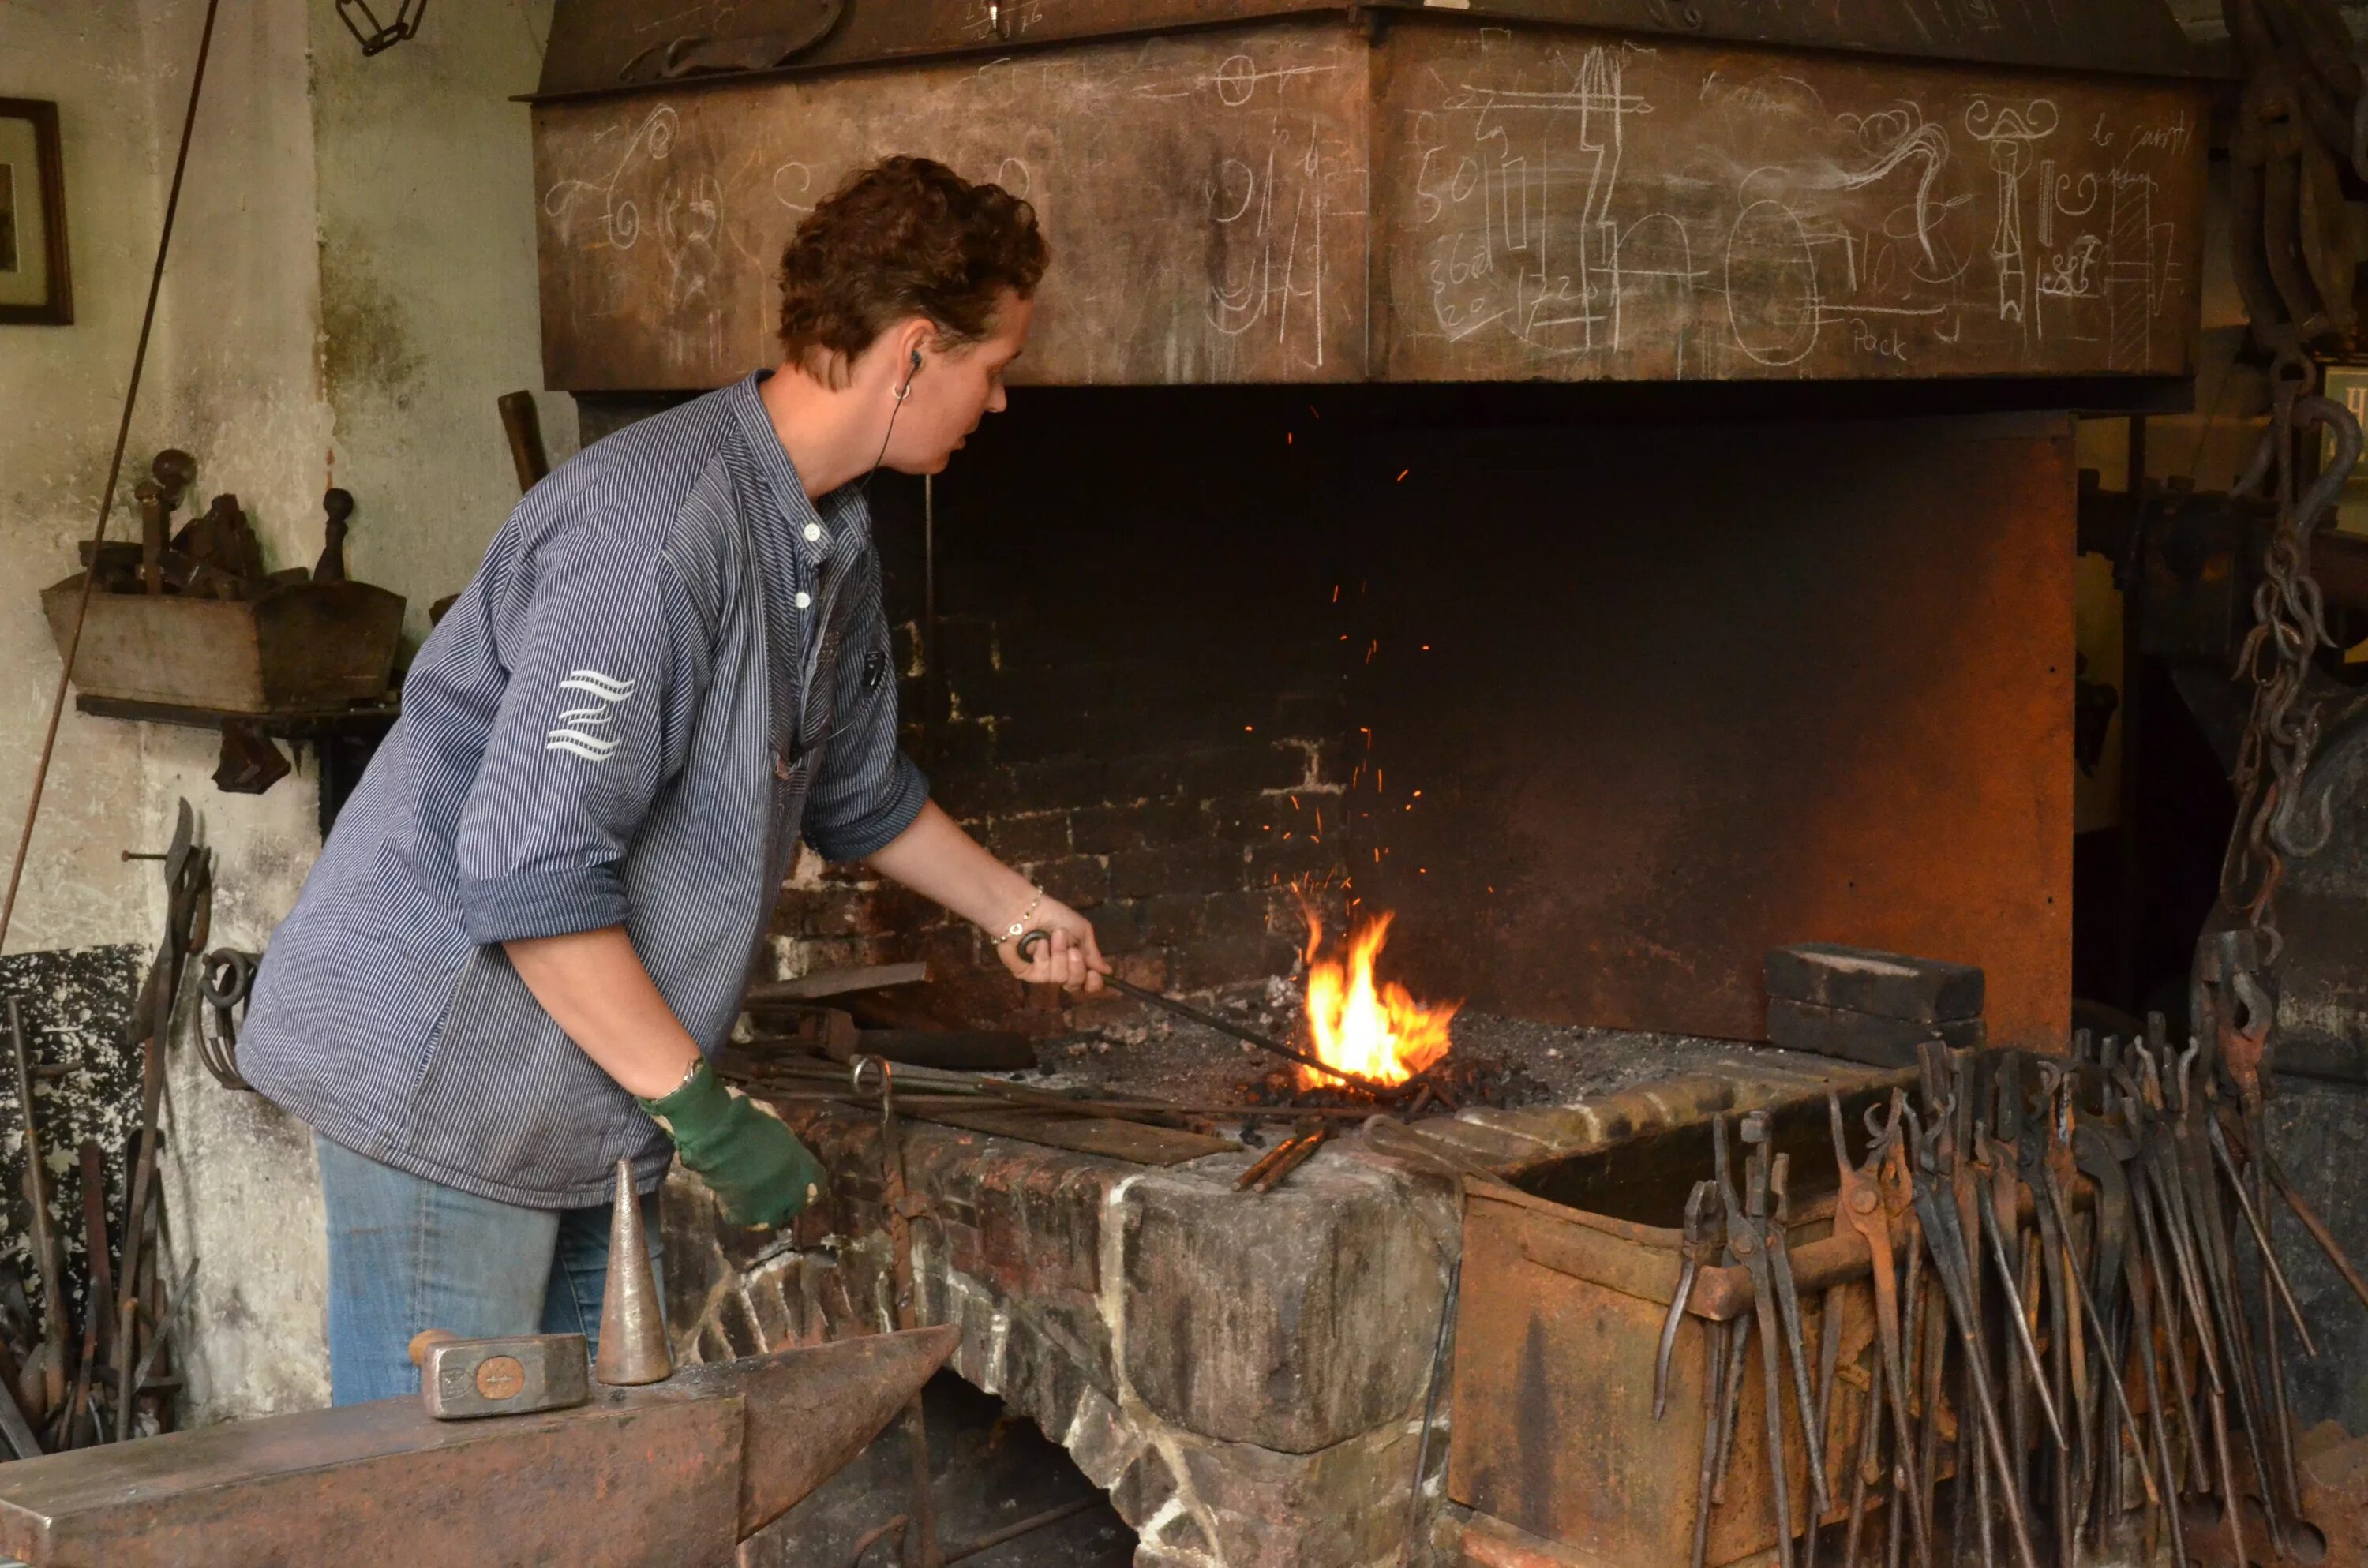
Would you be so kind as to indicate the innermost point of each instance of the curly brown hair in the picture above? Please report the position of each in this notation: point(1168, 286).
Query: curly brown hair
point(905, 237)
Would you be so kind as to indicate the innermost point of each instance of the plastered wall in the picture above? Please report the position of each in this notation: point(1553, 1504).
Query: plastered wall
point(350, 287)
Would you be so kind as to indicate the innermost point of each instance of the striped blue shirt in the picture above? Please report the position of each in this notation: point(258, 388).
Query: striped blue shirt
point(670, 664)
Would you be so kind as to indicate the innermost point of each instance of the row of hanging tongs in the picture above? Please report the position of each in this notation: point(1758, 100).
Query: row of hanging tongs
point(2065, 1322)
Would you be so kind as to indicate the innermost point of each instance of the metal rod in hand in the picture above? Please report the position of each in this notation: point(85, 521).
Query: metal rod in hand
point(1028, 944)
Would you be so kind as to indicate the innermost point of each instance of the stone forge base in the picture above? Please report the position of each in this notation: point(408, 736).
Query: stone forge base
point(1245, 1374)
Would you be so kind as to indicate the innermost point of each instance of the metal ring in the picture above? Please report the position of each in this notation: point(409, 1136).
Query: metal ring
point(227, 976)
point(864, 1065)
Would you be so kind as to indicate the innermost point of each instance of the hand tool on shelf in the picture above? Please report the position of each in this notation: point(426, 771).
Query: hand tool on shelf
point(2194, 1166)
point(1692, 1254)
point(1788, 1306)
point(1972, 1507)
point(2159, 1185)
point(2153, 1278)
point(1753, 1244)
point(2099, 1149)
point(2249, 1181)
point(1935, 1207)
point(2065, 1380)
point(1931, 1340)
point(1713, 1417)
point(1869, 1469)
point(1738, 1332)
point(1028, 943)
point(1716, 1344)
point(2016, 1312)
point(1910, 1481)
point(1830, 1354)
point(2271, 1267)
point(1861, 1205)
point(2111, 1374)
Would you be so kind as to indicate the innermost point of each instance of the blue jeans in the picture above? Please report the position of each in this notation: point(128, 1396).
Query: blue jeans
point(406, 1254)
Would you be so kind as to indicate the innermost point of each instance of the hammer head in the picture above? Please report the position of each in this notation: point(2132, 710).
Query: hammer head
point(461, 1380)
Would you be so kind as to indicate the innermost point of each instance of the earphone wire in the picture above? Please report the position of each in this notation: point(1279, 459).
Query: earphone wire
point(890, 434)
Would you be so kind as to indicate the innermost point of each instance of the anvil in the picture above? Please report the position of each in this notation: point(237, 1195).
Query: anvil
point(673, 1474)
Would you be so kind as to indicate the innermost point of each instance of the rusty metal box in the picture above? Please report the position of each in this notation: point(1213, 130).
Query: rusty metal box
point(1566, 1282)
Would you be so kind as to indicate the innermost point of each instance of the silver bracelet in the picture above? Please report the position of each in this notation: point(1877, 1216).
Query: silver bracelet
point(1020, 926)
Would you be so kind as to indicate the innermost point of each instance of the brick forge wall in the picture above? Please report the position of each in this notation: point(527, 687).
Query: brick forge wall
point(1143, 645)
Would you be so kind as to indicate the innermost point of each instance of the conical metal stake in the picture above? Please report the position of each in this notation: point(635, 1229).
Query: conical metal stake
point(633, 1320)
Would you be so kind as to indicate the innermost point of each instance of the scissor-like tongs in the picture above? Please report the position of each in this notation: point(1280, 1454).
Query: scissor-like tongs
point(1863, 1207)
point(1699, 1250)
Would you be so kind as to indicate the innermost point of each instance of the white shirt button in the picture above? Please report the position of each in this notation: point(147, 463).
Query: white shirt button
point(814, 532)
point(805, 601)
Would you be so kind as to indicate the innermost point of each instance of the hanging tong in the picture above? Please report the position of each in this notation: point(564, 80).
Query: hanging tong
point(1862, 1205)
point(1796, 1344)
point(1697, 1250)
point(1750, 1239)
point(1935, 1208)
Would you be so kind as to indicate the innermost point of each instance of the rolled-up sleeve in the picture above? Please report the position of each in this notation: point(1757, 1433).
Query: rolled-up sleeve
point(865, 791)
point(606, 665)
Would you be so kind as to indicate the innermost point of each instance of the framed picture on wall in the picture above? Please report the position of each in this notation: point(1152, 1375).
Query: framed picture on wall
point(36, 288)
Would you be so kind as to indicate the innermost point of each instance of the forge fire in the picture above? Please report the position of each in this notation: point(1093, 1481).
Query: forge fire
point(1361, 1025)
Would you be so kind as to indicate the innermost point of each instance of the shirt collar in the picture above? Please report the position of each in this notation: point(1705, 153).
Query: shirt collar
point(840, 515)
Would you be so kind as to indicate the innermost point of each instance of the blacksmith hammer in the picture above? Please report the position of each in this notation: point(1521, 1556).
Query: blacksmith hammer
point(461, 1380)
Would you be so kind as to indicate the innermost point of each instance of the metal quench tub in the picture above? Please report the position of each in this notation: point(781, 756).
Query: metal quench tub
point(1568, 1277)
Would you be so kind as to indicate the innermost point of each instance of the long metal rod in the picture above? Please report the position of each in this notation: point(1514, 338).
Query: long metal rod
point(2015, 1311)
point(1226, 1025)
point(1027, 1526)
point(2317, 1227)
point(1949, 1249)
point(2112, 1376)
point(2270, 1269)
point(114, 473)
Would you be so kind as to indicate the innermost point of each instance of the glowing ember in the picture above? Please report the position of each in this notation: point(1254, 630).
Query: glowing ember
point(1377, 1030)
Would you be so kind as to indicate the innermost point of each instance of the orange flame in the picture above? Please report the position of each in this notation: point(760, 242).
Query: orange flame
point(1378, 1032)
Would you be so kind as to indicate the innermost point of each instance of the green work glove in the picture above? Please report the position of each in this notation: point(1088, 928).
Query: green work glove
point(755, 1165)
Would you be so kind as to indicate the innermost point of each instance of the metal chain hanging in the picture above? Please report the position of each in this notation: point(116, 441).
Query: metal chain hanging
point(2303, 115)
point(374, 35)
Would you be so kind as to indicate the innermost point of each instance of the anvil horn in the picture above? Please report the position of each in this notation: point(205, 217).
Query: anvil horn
point(670, 1475)
point(813, 1411)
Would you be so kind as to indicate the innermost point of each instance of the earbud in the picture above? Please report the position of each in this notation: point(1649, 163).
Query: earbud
point(907, 390)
